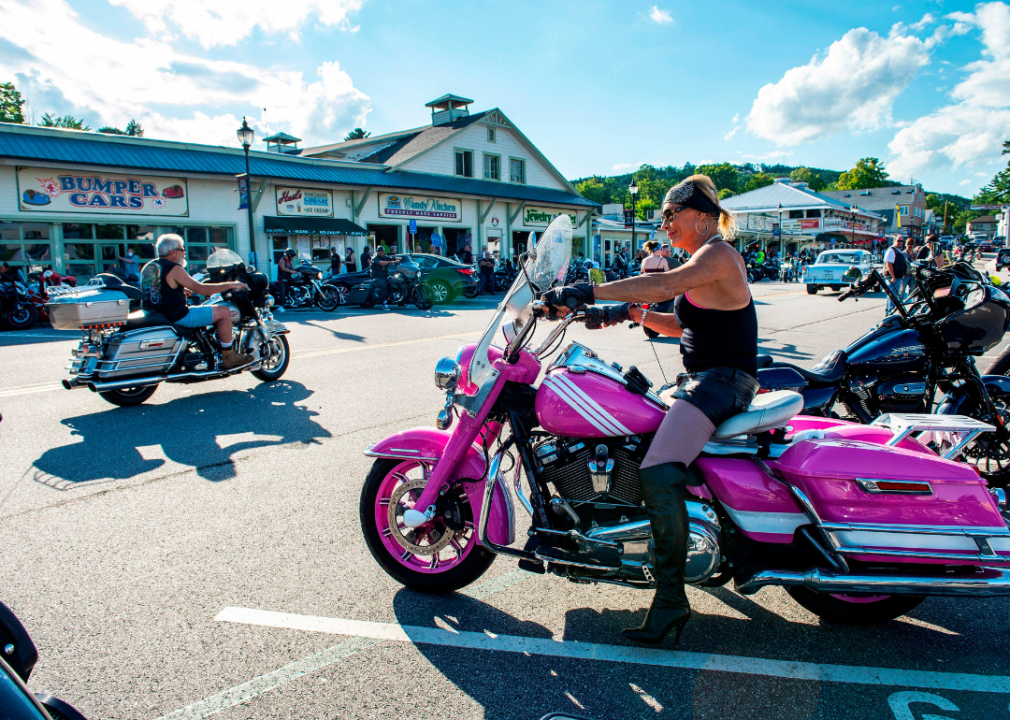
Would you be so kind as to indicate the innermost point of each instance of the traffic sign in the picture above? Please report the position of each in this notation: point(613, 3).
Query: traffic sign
point(413, 226)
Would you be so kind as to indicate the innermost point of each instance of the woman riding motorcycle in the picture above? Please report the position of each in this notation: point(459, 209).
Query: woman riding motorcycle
point(715, 318)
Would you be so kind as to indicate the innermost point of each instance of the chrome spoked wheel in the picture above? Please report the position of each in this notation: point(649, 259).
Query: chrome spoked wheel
point(275, 357)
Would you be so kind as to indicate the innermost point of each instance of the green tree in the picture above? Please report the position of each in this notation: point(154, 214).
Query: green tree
point(758, 180)
point(642, 207)
point(110, 131)
point(869, 172)
point(723, 175)
point(593, 189)
point(356, 134)
point(725, 193)
point(134, 129)
point(63, 121)
point(805, 174)
point(11, 103)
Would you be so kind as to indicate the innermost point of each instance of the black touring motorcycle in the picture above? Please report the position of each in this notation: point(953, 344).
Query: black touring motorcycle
point(305, 288)
point(124, 355)
point(927, 347)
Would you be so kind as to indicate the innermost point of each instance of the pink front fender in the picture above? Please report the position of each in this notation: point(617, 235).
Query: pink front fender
point(428, 444)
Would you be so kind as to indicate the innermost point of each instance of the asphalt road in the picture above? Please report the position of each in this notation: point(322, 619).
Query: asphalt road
point(141, 547)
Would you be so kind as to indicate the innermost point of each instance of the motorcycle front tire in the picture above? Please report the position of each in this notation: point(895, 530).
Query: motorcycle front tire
point(421, 298)
point(1001, 365)
point(270, 375)
point(328, 299)
point(128, 397)
point(22, 316)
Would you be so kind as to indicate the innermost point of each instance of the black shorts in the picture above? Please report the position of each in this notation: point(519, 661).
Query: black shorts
point(719, 392)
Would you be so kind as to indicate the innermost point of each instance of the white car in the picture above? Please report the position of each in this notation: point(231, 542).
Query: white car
point(829, 269)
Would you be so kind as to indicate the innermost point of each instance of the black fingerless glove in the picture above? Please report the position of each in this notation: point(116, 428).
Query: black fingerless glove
point(571, 296)
point(619, 314)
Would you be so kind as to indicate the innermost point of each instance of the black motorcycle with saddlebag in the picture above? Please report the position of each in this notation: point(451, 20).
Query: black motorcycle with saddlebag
point(921, 359)
point(124, 355)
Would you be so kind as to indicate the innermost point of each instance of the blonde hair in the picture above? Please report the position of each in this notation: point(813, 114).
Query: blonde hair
point(727, 220)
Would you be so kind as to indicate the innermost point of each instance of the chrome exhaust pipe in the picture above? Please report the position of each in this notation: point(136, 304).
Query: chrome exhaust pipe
point(989, 582)
point(98, 386)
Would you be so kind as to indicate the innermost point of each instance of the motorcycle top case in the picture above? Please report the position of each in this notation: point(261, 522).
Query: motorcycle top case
point(865, 485)
point(88, 308)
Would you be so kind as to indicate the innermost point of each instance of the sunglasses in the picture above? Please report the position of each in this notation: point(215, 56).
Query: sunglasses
point(670, 215)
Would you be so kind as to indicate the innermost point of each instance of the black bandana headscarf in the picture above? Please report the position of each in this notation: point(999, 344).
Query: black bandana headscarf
point(690, 195)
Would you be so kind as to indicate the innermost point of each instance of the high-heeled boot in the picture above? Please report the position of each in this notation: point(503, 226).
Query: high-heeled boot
point(664, 488)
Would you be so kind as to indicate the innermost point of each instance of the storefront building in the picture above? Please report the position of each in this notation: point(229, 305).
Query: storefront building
point(788, 217)
point(75, 201)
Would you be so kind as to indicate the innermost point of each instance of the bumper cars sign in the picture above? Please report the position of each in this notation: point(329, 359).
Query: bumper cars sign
point(48, 190)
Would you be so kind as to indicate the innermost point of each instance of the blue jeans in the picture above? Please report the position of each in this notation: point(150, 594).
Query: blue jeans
point(900, 288)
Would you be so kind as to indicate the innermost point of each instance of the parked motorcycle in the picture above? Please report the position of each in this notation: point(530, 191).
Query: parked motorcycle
point(18, 656)
point(405, 286)
point(929, 345)
point(124, 356)
point(17, 311)
point(828, 513)
point(305, 288)
point(505, 274)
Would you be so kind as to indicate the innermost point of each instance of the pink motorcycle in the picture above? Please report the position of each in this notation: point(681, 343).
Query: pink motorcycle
point(859, 523)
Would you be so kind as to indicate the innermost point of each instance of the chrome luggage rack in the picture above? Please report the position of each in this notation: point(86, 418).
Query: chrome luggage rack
point(63, 290)
point(904, 424)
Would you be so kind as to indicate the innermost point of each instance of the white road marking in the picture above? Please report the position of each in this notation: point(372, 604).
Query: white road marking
point(709, 662)
point(272, 680)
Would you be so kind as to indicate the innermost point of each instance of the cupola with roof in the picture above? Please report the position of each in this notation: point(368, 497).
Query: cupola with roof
point(282, 143)
point(448, 108)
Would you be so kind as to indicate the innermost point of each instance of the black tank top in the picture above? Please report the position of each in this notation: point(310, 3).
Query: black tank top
point(158, 295)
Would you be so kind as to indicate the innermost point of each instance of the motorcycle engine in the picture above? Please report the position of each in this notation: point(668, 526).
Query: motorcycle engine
point(598, 479)
point(903, 394)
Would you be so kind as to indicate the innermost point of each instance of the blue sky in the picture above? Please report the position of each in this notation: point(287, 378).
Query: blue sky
point(600, 87)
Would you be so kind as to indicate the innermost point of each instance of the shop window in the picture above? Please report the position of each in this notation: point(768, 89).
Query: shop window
point(491, 135)
point(517, 171)
point(10, 231)
point(141, 232)
point(76, 231)
point(79, 251)
point(196, 235)
point(813, 213)
point(220, 236)
point(25, 255)
point(11, 253)
point(110, 232)
point(35, 231)
point(795, 214)
point(464, 163)
point(492, 167)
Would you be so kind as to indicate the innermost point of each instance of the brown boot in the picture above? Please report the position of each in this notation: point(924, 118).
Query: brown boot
point(231, 359)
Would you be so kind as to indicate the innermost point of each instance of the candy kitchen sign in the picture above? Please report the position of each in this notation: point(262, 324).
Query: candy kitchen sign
point(420, 206)
point(535, 216)
point(304, 202)
point(48, 190)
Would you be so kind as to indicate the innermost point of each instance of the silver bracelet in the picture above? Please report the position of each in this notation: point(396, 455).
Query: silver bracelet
point(645, 311)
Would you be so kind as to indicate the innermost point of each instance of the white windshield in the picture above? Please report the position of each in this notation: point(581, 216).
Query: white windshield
point(546, 266)
point(222, 257)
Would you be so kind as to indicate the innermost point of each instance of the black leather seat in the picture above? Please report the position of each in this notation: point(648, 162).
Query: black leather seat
point(145, 319)
point(764, 361)
point(828, 371)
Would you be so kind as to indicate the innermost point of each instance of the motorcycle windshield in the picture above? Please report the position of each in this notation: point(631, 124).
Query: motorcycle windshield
point(223, 257)
point(546, 265)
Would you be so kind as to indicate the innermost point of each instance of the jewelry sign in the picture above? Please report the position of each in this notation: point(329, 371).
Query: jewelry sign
point(420, 206)
point(48, 190)
point(304, 202)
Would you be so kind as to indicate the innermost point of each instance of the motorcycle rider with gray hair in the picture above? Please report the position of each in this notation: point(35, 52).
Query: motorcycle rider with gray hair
point(164, 283)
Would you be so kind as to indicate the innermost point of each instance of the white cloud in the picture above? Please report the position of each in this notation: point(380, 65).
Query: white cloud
point(852, 87)
point(972, 129)
point(62, 65)
point(927, 20)
point(982, 174)
point(731, 133)
point(658, 16)
point(625, 167)
point(965, 182)
point(226, 22)
point(771, 155)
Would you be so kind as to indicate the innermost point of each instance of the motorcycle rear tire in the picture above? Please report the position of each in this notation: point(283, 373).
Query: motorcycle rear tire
point(854, 612)
point(128, 397)
point(22, 316)
point(475, 564)
point(328, 299)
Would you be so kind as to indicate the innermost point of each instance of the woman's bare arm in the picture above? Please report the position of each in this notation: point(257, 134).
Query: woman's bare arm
point(708, 265)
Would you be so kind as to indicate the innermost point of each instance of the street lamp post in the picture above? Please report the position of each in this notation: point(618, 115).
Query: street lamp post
point(633, 189)
point(853, 208)
point(246, 137)
point(781, 241)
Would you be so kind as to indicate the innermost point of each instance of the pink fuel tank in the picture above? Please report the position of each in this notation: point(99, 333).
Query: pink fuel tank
point(578, 402)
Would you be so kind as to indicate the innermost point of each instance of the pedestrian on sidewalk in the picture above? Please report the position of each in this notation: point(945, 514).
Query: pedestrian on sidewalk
point(350, 264)
point(896, 270)
point(366, 257)
point(485, 263)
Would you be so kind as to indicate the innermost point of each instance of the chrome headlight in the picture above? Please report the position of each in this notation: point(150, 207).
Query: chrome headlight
point(270, 301)
point(447, 374)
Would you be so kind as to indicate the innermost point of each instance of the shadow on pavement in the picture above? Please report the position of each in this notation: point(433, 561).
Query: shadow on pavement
point(197, 431)
point(784, 350)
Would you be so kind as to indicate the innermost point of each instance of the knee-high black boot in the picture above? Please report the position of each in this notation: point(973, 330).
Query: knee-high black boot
point(664, 488)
